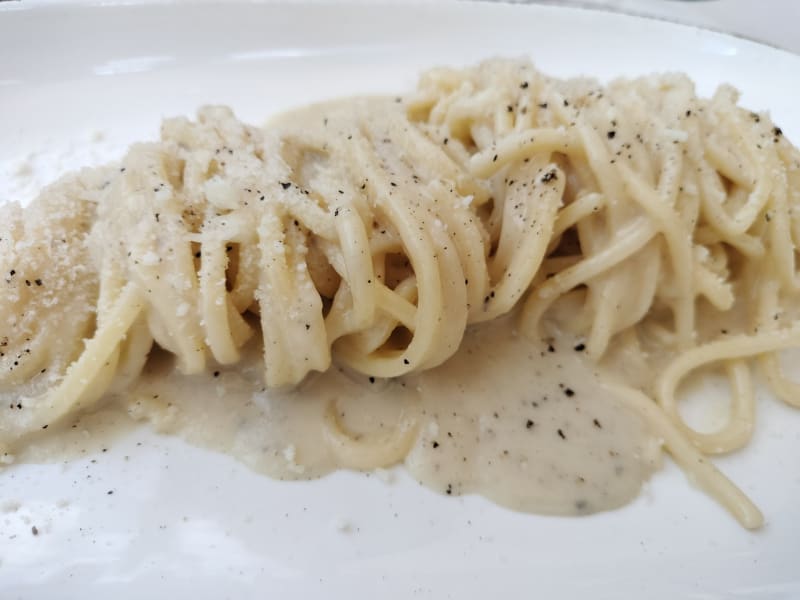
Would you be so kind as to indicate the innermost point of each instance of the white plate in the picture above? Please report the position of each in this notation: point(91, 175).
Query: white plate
point(79, 82)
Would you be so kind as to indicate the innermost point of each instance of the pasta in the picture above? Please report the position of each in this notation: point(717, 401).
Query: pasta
point(371, 233)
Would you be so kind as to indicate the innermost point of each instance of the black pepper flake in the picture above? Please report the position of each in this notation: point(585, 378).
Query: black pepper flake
point(336, 213)
point(449, 489)
point(580, 348)
point(611, 134)
point(110, 492)
point(777, 131)
point(510, 108)
point(216, 373)
point(524, 85)
point(688, 113)
point(406, 361)
point(372, 379)
point(12, 272)
point(569, 392)
point(445, 141)
point(550, 348)
point(529, 424)
point(435, 444)
point(198, 254)
point(561, 434)
point(549, 176)
point(393, 184)
point(755, 117)
point(286, 185)
point(45, 426)
point(494, 158)
point(597, 424)
point(308, 326)
point(543, 105)
point(34, 530)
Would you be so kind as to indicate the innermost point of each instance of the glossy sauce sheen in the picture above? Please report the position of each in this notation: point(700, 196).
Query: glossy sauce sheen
point(525, 424)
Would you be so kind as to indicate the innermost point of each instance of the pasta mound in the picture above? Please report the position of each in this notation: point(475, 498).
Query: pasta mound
point(660, 226)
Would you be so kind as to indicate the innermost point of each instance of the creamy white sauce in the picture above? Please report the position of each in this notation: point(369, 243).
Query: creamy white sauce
point(529, 428)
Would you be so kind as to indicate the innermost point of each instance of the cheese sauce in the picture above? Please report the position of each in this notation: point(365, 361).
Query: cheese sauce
point(528, 425)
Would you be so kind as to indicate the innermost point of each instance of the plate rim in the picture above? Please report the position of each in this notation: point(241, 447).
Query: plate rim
point(30, 6)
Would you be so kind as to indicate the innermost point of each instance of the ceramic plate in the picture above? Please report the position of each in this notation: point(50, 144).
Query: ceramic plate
point(153, 517)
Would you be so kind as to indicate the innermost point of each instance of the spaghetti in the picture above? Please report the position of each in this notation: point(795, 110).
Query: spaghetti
point(372, 232)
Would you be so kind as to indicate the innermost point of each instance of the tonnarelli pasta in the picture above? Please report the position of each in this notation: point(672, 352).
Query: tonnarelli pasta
point(372, 232)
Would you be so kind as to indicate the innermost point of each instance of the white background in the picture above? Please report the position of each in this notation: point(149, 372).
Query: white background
point(769, 21)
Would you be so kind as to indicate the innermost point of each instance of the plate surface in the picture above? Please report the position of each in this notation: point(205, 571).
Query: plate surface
point(80, 82)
